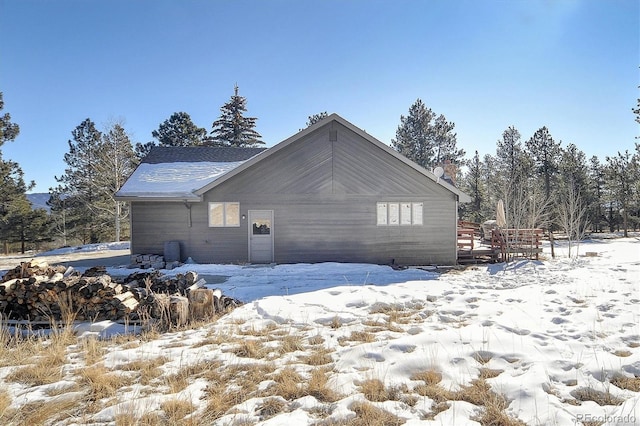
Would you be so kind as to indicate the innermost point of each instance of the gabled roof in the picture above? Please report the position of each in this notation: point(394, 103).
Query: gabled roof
point(462, 197)
point(174, 173)
point(186, 173)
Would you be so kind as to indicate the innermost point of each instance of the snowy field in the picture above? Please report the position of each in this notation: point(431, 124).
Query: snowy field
point(557, 339)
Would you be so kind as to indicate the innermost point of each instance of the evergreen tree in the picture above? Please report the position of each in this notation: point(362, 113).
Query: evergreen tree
point(233, 128)
point(596, 179)
point(413, 136)
point(8, 130)
point(79, 183)
point(142, 150)
point(19, 223)
point(445, 142)
point(574, 171)
point(313, 119)
point(474, 184)
point(545, 152)
point(426, 139)
point(15, 209)
point(621, 174)
point(511, 159)
point(179, 130)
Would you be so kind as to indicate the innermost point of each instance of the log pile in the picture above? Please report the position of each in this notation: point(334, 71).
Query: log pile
point(35, 291)
point(151, 261)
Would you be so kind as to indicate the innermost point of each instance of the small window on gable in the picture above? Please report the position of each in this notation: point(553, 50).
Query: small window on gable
point(399, 214)
point(224, 215)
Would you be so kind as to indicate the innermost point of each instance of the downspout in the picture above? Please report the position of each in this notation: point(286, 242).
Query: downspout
point(188, 206)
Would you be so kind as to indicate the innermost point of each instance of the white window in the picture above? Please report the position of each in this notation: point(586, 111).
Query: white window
point(382, 213)
point(416, 213)
point(399, 214)
point(224, 215)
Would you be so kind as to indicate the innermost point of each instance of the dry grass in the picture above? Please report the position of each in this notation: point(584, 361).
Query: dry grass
point(36, 374)
point(232, 385)
point(291, 343)
point(357, 336)
point(318, 356)
point(288, 384)
point(177, 409)
point(147, 368)
point(219, 400)
point(101, 382)
point(179, 380)
point(430, 377)
point(370, 415)
point(336, 322)
point(599, 397)
point(44, 412)
point(628, 383)
point(93, 350)
point(318, 386)
point(270, 407)
point(478, 392)
point(482, 357)
point(250, 348)
point(5, 402)
point(259, 332)
point(316, 340)
point(436, 408)
point(622, 353)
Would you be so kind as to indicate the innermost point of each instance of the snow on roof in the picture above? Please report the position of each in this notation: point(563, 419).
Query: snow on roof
point(173, 180)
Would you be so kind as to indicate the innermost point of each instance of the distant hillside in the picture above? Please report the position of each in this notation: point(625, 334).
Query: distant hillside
point(39, 200)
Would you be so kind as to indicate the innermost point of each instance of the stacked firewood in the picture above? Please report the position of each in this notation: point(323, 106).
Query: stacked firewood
point(36, 292)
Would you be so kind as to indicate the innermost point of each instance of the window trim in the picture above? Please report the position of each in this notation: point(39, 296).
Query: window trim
point(225, 210)
point(394, 213)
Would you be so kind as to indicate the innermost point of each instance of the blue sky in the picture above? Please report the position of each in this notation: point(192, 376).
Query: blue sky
point(569, 65)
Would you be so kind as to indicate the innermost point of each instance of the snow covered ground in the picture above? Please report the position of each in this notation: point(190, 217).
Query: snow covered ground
point(556, 338)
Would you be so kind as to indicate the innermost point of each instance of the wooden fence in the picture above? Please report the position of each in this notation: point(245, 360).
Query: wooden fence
point(514, 243)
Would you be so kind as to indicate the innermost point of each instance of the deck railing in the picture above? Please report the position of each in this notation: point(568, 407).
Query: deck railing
point(514, 243)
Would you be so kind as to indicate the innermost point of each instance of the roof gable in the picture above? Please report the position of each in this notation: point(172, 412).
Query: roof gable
point(334, 117)
point(186, 173)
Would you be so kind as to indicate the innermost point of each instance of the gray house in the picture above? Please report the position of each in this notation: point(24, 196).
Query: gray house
point(331, 192)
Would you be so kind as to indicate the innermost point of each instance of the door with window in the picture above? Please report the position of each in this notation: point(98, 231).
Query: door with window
point(261, 236)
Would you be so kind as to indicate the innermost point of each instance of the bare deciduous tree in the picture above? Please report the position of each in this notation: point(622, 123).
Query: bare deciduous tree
point(572, 216)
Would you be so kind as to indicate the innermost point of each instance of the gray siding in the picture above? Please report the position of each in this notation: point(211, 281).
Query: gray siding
point(324, 197)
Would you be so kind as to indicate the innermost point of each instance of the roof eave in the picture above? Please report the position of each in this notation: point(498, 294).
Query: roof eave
point(169, 198)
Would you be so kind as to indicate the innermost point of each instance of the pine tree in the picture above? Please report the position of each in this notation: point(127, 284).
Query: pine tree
point(14, 206)
point(596, 188)
point(426, 139)
point(233, 128)
point(621, 174)
point(545, 153)
point(179, 130)
point(413, 136)
point(474, 184)
point(313, 119)
point(79, 183)
point(445, 142)
point(15, 209)
point(8, 130)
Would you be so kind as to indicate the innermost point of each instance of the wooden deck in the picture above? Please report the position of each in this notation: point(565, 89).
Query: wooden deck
point(506, 244)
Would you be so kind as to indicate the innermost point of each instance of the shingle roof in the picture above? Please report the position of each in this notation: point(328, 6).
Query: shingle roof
point(193, 154)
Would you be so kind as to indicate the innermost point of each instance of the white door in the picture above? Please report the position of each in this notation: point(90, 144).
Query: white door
point(261, 236)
